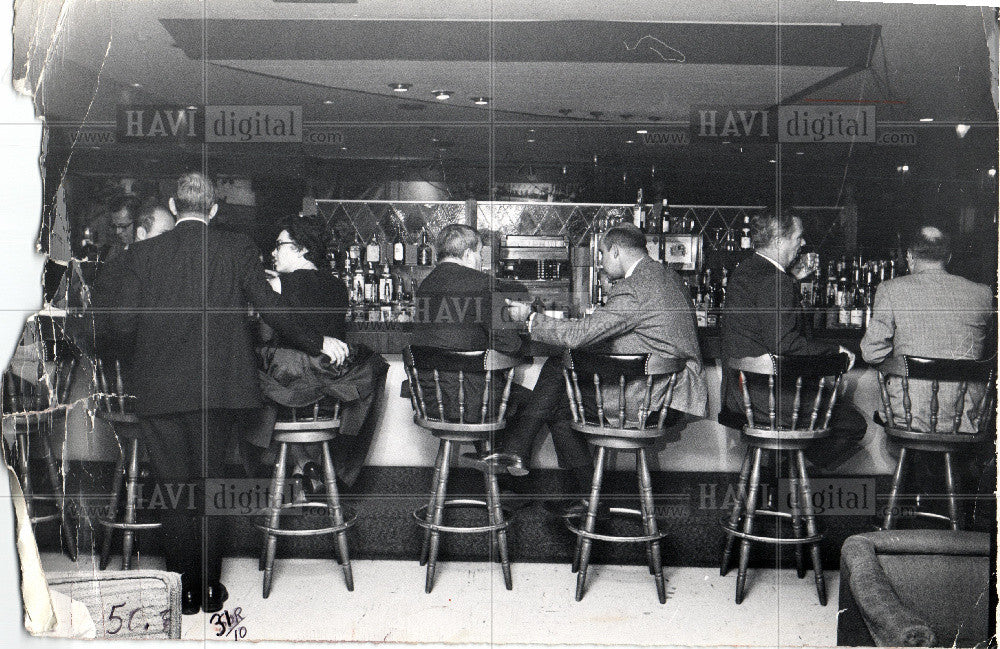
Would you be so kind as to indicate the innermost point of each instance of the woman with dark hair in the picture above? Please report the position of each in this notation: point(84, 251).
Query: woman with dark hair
point(302, 277)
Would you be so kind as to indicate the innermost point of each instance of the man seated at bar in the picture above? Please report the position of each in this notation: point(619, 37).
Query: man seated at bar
point(933, 314)
point(454, 311)
point(761, 315)
point(648, 311)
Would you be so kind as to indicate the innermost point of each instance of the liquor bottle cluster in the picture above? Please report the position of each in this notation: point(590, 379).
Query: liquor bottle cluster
point(376, 278)
point(657, 219)
point(843, 291)
point(708, 293)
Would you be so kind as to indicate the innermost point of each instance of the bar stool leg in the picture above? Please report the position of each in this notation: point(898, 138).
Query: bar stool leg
point(949, 482)
point(810, 515)
point(649, 523)
point(496, 518)
point(59, 491)
point(277, 494)
point(800, 569)
point(441, 490)
point(21, 439)
point(897, 480)
point(430, 505)
point(734, 517)
point(751, 510)
point(579, 539)
point(131, 495)
point(116, 494)
point(590, 522)
point(337, 514)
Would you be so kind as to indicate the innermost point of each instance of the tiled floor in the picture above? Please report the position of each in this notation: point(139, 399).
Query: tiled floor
point(470, 605)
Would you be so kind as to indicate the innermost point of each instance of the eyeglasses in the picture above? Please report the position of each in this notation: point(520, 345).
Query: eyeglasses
point(278, 244)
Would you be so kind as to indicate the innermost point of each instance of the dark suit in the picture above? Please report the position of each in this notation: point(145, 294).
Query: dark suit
point(455, 310)
point(181, 324)
point(761, 315)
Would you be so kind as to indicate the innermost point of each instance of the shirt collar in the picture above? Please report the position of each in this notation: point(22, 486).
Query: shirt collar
point(189, 218)
point(776, 264)
point(628, 273)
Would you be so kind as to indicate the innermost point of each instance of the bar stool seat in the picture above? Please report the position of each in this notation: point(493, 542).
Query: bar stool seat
point(31, 410)
point(614, 431)
point(780, 435)
point(427, 361)
point(911, 436)
point(301, 428)
point(117, 408)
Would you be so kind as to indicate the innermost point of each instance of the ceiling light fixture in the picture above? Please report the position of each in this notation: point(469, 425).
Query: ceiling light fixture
point(962, 129)
point(192, 107)
point(629, 141)
point(926, 119)
point(480, 101)
point(443, 95)
point(400, 87)
point(137, 85)
point(642, 131)
point(328, 102)
point(772, 161)
point(992, 173)
point(531, 139)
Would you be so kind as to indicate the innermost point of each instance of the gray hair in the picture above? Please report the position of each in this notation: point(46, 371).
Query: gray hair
point(769, 225)
point(195, 193)
point(455, 239)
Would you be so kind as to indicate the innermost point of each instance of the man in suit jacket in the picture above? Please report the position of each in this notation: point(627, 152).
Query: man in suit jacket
point(933, 314)
point(455, 310)
point(761, 315)
point(648, 311)
point(180, 321)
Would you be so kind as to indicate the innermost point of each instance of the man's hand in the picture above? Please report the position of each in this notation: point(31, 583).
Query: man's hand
point(335, 348)
point(273, 279)
point(804, 266)
point(850, 357)
point(519, 311)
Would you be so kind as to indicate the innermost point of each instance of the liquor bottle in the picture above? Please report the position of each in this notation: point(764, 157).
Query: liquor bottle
point(371, 288)
point(745, 233)
point(358, 285)
point(665, 218)
point(398, 248)
point(385, 286)
point(638, 214)
point(425, 256)
point(354, 251)
point(373, 252)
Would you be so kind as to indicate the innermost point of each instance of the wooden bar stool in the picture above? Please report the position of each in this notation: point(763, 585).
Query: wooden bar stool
point(31, 409)
point(117, 408)
point(905, 431)
point(782, 430)
point(632, 381)
point(427, 362)
point(306, 426)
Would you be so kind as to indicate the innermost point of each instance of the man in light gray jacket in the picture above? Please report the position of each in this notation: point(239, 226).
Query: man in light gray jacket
point(648, 311)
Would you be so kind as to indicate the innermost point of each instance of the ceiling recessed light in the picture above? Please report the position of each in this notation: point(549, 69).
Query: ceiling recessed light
point(400, 87)
point(480, 101)
point(192, 107)
point(343, 148)
point(773, 161)
point(905, 168)
point(629, 141)
point(992, 173)
point(926, 119)
point(328, 101)
point(531, 139)
point(642, 131)
point(137, 85)
point(443, 95)
point(800, 153)
point(531, 130)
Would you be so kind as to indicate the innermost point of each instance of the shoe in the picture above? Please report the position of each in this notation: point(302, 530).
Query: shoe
point(510, 463)
point(313, 479)
point(190, 601)
point(574, 508)
point(215, 595)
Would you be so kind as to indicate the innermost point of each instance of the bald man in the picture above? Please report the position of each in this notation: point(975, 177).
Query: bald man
point(929, 313)
point(153, 221)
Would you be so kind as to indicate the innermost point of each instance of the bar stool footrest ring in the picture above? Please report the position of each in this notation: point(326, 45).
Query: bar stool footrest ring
point(116, 525)
point(420, 516)
point(774, 540)
point(619, 511)
point(350, 518)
